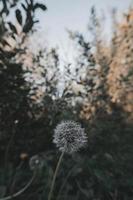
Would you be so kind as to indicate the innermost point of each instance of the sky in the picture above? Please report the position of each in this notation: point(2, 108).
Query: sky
point(74, 15)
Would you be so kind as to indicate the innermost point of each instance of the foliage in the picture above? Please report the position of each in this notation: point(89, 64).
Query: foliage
point(93, 93)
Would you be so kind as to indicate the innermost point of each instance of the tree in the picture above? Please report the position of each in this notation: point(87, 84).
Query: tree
point(15, 117)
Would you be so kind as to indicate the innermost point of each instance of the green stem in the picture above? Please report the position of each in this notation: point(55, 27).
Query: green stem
point(55, 174)
point(20, 191)
point(65, 181)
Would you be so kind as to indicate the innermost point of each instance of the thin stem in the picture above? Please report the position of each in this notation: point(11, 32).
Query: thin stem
point(65, 181)
point(13, 179)
point(8, 149)
point(20, 191)
point(55, 174)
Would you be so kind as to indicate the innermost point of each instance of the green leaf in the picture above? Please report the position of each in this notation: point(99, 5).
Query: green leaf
point(19, 16)
point(12, 27)
point(41, 6)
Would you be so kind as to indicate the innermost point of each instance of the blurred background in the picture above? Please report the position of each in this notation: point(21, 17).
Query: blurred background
point(66, 60)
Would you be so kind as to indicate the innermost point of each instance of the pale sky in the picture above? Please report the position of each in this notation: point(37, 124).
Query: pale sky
point(74, 15)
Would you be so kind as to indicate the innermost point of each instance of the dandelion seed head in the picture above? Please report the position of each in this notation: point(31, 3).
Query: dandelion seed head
point(36, 162)
point(69, 136)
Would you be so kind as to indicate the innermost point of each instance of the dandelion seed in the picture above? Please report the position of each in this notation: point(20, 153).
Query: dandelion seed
point(36, 162)
point(69, 136)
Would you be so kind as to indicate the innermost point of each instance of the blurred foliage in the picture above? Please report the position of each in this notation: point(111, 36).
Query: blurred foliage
point(97, 93)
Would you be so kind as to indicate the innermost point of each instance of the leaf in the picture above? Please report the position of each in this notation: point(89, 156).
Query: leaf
point(109, 157)
point(24, 7)
point(4, 42)
point(86, 191)
point(13, 5)
point(41, 6)
point(12, 35)
point(19, 16)
point(28, 26)
point(12, 27)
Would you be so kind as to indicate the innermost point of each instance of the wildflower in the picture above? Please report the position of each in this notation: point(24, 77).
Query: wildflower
point(69, 136)
point(36, 162)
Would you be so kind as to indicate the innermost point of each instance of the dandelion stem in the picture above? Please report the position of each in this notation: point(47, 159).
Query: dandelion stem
point(20, 191)
point(55, 174)
point(64, 183)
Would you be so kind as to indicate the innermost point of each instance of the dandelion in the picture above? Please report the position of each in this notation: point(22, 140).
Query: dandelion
point(69, 137)
point(36, 162)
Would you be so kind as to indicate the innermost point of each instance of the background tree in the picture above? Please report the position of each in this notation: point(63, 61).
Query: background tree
point(33, 101)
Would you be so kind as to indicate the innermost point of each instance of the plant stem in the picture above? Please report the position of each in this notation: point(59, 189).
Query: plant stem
point(55, 174)
point(20, 191)
point(65, 181)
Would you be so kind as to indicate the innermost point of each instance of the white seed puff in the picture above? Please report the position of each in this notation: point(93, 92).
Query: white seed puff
point(69, 136)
